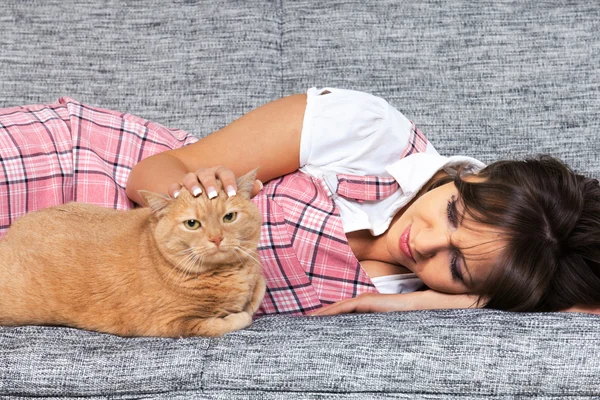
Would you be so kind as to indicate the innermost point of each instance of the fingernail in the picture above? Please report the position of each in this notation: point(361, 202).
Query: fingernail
point(231, 191)
point(260, 184)
point(196, 191)
point(212, 192)
point(175, 194)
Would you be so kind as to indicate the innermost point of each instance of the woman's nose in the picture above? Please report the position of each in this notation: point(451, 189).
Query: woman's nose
point(429, 242)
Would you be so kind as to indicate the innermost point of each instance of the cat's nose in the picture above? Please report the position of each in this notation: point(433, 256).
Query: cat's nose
point(216, 240)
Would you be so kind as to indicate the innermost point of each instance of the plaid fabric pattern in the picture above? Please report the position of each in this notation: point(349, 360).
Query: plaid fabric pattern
point(67, 151)
point(417, 142)
point(306, 258)
point(307, 261)
point(362, 188)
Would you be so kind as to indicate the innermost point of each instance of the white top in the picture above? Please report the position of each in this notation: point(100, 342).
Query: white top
point(398, 283)
point(350, 132)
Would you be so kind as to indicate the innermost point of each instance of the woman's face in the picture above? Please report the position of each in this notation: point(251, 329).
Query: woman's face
point(435, 239)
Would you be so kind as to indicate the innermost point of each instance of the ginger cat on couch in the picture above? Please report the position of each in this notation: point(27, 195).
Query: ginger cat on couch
point(181, 267)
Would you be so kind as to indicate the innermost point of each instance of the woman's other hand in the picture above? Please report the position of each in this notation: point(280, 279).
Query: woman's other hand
point(206, 177)
point(584, 309)
point(377, 302)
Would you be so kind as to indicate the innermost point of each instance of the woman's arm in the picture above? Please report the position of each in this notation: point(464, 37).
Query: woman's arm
point(422, 300)
point(267, 137)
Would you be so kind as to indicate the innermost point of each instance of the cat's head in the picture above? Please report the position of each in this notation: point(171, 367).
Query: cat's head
point(196, 234)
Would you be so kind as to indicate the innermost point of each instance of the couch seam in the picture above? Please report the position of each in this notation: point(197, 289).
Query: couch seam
point(203, 362)
point(280, 23)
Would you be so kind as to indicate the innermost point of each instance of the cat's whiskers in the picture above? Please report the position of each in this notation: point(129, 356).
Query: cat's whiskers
point(188, 268)
point(252, 242)
point(187, 250)
point(248, 254)
point(247, 243)
point(182, 264)
point(199, 268)
point(191, 265)
point(237, 255)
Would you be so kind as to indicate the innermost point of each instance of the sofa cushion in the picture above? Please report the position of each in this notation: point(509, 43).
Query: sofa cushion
point(472, 353)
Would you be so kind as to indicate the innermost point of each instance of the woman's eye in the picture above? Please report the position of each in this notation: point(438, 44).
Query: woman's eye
point(454, 271)
point(451, 211)
point(192, 224)
point(230, 217)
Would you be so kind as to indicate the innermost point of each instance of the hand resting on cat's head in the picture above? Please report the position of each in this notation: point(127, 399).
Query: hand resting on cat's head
point(207, 178)
point(181, 267)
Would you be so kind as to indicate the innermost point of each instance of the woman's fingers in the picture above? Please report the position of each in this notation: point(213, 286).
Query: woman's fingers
point(584, 309)
point(365, 303)
point(174, 190)
point(192, 183)
point(205, 179)
point(208, 178)
point(227, 178)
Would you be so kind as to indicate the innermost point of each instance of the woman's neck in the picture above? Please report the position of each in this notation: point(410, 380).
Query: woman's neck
point(366, 246)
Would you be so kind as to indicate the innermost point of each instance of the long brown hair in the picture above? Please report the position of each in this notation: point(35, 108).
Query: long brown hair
point(550, 220)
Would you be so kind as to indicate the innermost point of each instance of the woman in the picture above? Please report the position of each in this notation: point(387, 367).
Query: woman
point(520, 236)
point(359, 209)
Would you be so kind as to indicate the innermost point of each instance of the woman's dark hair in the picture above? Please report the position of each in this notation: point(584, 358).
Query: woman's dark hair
point(549, 219)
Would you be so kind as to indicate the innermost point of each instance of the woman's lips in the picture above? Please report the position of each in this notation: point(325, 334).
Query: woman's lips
point(404, 243)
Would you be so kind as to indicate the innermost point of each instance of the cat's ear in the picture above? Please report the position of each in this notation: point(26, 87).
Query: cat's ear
point(155, 201)
point(245, 183)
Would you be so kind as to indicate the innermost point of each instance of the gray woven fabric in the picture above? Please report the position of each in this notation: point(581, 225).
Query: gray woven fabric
point(502, 79)
point(194, 65)
point(491, 79)
point(418, 354)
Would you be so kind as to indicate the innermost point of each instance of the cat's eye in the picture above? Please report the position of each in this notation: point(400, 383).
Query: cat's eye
point(192, 224)
point(230, 217)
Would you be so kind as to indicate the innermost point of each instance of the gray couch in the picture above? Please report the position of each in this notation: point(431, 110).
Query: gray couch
point(490, 79)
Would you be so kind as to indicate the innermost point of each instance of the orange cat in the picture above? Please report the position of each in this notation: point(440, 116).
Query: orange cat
point(182, 267)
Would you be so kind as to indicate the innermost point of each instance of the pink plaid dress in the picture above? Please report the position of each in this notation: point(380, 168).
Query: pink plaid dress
point(307, 260)
point(53, 154)
point(68, 151)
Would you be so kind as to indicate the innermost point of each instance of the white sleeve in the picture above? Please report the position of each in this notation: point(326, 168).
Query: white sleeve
point(351, 132)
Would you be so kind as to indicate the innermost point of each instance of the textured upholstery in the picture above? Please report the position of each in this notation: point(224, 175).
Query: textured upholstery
point(491, 79)
point(473, 353)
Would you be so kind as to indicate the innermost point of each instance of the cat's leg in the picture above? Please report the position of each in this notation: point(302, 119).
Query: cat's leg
point(216, 326)
point(257, 296)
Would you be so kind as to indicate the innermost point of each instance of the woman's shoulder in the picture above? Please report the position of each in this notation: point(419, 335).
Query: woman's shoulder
point(347, 131)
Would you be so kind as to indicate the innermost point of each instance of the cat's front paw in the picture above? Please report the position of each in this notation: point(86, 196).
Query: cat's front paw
point(239, 320)
point(219, 326)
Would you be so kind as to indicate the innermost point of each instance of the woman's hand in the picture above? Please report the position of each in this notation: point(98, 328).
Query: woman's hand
point(267, 137)
point(377, 302)
point(584, 309)
point(206, 177)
